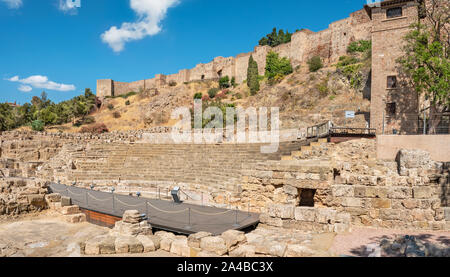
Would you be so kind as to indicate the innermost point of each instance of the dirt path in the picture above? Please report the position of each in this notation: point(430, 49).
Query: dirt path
point(354, 243)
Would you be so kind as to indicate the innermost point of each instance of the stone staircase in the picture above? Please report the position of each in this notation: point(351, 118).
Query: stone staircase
point(211, 165)
point(314, 150)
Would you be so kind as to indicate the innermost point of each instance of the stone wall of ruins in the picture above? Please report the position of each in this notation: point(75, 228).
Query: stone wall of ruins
point(352, 189)
point(330, 44)
point(320, 187)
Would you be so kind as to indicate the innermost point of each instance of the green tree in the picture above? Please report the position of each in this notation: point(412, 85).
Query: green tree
point(252, 76)
point(276, 38)
point(276, 67)
point(7, 120)
point(426, 58)
point(37, 125)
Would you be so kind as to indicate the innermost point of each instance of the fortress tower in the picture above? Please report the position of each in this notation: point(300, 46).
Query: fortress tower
point(394, 105)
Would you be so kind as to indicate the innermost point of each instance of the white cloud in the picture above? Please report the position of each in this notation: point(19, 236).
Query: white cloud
point(150, 12)
point(69, 6)
point(13, 4)
point(39, 81)
point(25, 88)
point(13, 79)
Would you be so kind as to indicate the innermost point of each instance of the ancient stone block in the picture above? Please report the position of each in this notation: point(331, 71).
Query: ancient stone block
point(271, 221)
point(343, 191)
point(166, 243)
point(381, 203)
point(107, 245)
point(54, 197)
point(70, 210)
point(281, 211)
point(296, 250)
point(440, 214)
point(147, 243)
point(399, 192)
point(232, 238)
point(131, 216)
point(180, 247)
point(325, 216)
point(214, 244)
point(194, 239)
point(243, 251)
point(75, 218)
point(66, 201)
point(290, 190)
point(350, 202)
point(410, 203)
point(272, 248)
point(422, 192)
point(305, 214)
point(92, 246)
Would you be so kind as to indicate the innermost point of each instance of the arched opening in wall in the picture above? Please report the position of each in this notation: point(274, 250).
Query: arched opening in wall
point(307, 197)
point(219, 73)
point(203, 77)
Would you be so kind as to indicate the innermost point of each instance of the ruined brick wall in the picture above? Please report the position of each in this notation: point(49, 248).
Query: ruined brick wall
point(330, 44)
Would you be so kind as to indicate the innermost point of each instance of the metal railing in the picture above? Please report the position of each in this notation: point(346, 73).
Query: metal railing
point(416, 124)
point(318, 131)
point(113, 204)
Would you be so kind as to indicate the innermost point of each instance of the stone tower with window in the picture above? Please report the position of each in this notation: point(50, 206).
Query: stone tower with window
point(394, 104)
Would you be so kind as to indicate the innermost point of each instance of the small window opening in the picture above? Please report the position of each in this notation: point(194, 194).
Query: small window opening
point(394, 12)
point(307, 197)
point(391, 108)
point(392, 82)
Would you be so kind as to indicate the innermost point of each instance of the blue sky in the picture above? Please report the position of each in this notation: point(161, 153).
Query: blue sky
point(55, 46)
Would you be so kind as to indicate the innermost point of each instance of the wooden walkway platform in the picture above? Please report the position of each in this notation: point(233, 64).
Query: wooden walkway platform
point(164, 215)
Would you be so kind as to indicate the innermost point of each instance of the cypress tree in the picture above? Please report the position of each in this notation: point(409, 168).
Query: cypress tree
point(252, 76)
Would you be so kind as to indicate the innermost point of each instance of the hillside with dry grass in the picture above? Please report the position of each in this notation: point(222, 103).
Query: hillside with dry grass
point(304, 98)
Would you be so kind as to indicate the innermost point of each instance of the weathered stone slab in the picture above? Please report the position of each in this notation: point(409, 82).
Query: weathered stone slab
point(214, 244)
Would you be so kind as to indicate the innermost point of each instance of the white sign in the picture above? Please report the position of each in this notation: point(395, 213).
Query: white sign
point(349, 114)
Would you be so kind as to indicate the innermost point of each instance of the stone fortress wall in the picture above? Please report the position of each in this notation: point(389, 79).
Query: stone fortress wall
point(330, 44)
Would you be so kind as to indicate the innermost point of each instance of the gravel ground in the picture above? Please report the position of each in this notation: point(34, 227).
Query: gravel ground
point(354, 243)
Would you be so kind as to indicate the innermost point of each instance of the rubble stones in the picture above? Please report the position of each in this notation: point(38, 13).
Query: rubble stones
point(214, 244)
point(232, 238)
point(194, 239)
point(131, 216)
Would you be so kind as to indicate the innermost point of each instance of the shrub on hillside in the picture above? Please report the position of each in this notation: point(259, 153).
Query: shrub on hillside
point(128, 103)
point(84, 121)
point(359, 46)
point(172, 83)
point(315, 63)
point(213, 92)
point(347, 60)
point(233, 82)
point(125, 96)
point(224, 82)
point(110, 107)
point(98, 128)
point(198, 95)
point(37, 125)
point(277, 67)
